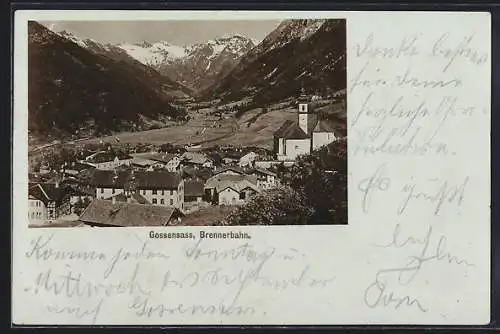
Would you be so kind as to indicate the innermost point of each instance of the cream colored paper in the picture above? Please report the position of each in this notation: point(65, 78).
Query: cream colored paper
point(417, 246)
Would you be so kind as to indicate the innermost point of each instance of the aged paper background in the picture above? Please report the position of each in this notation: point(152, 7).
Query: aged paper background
point(417, 247)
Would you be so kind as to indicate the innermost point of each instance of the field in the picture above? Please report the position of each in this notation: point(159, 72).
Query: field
point(193, 132)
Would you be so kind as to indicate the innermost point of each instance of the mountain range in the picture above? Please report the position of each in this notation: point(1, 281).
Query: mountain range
point(196, 66)
point(75, 82)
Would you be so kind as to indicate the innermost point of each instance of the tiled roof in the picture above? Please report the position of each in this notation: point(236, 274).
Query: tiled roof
point(104, 212)
point(47, 192)
point(193, 188)
point(142, 179)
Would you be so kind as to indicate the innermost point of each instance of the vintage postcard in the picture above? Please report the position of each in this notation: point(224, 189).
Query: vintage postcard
point(243, 167)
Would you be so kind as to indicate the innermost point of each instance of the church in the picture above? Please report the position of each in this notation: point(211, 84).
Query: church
point(309, 132)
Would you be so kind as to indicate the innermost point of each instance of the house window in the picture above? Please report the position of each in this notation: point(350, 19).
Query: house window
point(102, 190)
point(154, 200)
point(171, 201)
point(163, 192)
point(233, 200)
point(162, 201)
point(154, 192)
point(242, 195)
point(171, 192)
point(144, 192)
point(113, 190)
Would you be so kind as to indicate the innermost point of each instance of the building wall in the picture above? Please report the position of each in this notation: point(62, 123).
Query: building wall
point(294, 148)
point(322, 138)
point(165, 197)
point(266, 181)
point(229, 196)
point(105, 193)
point(37, 212)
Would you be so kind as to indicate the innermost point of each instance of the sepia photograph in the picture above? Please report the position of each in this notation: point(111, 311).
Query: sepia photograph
point(187, 123)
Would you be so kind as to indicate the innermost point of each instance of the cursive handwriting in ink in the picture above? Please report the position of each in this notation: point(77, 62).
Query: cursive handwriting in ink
point(407, 273)
point(445, 193)
point(377, 294)
point(78, 311)
point(378, 181)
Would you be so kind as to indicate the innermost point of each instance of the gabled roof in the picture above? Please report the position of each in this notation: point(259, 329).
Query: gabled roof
point(236, 182)
point(104, 212)
point(48, 192)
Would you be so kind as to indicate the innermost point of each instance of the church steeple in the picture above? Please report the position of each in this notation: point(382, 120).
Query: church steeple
point(303, 110)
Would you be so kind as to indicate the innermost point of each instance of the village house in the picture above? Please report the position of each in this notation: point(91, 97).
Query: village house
point(230, 189)
point(107, 160)
point(247, 160)
point(265, 178)
point(196, 159)
point(103, 213)
point(307, 133)
point(154, 160)
point(157, 187)
point(75, 168)
point(193, 195)
point(47, 202)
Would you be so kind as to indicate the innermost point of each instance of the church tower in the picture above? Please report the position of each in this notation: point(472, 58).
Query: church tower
point(303, 113)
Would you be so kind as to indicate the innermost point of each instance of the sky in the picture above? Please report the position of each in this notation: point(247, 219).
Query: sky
point(175, 32)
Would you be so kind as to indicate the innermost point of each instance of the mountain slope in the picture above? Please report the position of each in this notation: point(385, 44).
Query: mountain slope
point(134, 57)
point(72, 88)
point(308, 53)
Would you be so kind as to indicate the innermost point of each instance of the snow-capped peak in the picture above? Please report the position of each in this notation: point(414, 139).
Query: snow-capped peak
point(154, 53)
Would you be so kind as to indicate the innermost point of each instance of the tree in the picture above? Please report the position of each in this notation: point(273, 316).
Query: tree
point(321, 178)
point(278, 206)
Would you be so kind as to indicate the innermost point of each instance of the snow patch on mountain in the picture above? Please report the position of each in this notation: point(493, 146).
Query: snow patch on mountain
point(154, 53)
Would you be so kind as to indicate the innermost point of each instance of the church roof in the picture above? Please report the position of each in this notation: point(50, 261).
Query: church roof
point(324, 125)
